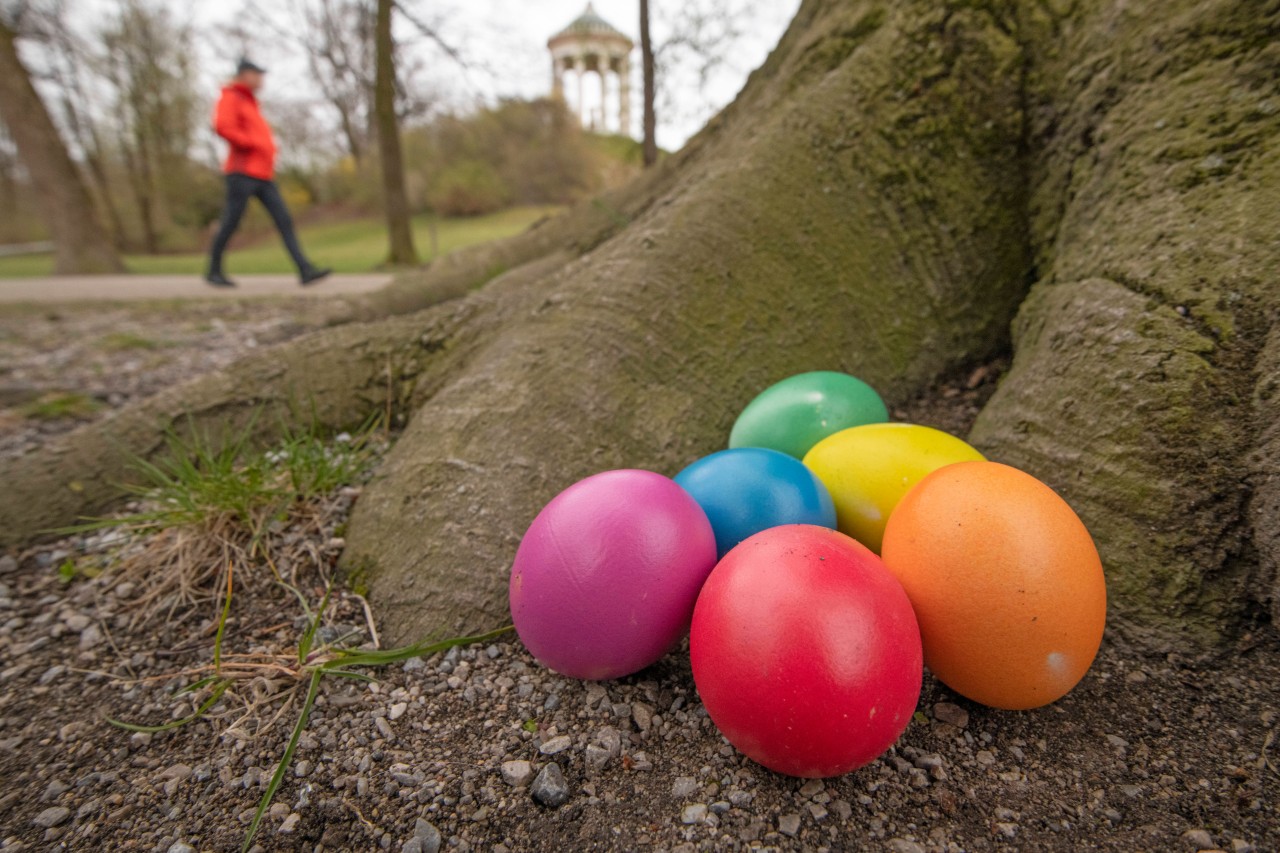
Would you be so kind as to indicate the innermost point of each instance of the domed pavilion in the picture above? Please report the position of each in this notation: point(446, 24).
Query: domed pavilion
point(591, 45)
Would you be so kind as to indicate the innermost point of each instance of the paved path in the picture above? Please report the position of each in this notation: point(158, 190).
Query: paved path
point(116, 288)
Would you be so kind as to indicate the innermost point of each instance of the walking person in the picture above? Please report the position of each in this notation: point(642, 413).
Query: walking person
point(250, 173)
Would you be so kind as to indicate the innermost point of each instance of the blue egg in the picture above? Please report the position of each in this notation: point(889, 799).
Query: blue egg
point(746, 490)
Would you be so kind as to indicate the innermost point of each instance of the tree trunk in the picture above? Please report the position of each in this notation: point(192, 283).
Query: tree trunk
point(1145, 382)
point(94, 160)
point(394, 199)
point(81, 245)
point(650, 92)
point(140, 179)
point(879, 199)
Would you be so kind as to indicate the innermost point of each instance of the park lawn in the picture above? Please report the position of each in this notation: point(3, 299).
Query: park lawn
point(354, 246)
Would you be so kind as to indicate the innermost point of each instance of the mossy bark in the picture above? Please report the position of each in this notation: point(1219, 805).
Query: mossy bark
point(1137, 389)
point(879, 199)
point(816, 224)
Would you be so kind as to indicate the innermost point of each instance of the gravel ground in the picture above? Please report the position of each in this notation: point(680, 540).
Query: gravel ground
point(482, 749)
point(107, 355)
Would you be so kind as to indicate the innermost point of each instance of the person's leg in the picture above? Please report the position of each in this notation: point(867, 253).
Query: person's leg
point(269, 194)
point(239, 191)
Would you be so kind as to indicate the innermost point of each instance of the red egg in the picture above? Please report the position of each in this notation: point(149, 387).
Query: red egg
point(806, 652)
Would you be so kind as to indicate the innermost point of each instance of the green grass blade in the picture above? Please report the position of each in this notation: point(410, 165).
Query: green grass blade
point(222, 624)
point(286, 760)
point(176, 724)
point(304, 645)
point(195, 685)
point(354, 676)
point(382, 658)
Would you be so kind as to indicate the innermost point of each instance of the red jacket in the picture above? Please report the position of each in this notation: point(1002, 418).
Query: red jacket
point(238, 120)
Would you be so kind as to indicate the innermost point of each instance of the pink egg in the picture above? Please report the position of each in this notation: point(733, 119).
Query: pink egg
point(605, 580)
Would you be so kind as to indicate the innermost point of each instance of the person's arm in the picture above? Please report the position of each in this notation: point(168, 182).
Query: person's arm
point(227, 124)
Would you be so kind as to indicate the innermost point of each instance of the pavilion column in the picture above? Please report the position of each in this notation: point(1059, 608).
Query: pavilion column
point(580, 68)
point(624, 96)
point(603, 66)
point(557, 78)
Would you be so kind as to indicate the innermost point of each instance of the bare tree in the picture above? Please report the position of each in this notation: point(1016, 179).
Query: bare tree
point(68, 62)
point(341, 54)
point(146, 59)
point(401, 251)
point(698, 43)
point(81, 244)
point(650, 95)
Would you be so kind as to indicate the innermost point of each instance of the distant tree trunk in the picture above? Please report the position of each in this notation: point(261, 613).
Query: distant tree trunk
point(81, 244)
point(94, 160)
point(140, 180)
point(89, 140)
point(355, 143)
point(394, 199)
point(650, 115)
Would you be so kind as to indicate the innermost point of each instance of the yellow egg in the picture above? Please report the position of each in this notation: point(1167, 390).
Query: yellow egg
point(869, 468)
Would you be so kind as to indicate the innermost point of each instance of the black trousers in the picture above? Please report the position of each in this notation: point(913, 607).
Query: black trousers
point(241, 188)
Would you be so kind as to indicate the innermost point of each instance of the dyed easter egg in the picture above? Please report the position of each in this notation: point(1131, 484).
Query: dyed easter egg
point(750, 489)
point(796, 413)
point(805, 652)
point(869, 468)
point(605, 579)
point(1005, 580)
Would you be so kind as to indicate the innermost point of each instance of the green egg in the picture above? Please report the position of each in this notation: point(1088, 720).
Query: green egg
point(797, 413)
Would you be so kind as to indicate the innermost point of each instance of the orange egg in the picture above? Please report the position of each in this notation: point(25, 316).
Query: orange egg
point(1005, 581)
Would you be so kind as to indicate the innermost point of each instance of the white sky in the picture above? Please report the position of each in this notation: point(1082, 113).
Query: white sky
point(506, 42)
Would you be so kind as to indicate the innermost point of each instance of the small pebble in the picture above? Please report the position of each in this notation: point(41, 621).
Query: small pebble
point(556, 745)
point(683, 787)
point(52, 816)
point(696, 813)
point(518, 773)
point(643, 716)
point(902, 845)
point(426, 834)
point(56, 788)
point(1198, 839)
point(789, 825)
point(596, 757)
point(609, 738)
point(550, 788)
point(90, 637)
point(952, 715)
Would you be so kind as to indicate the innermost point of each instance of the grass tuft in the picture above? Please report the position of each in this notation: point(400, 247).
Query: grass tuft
point(56, 406)
point(126, 341)
point(210, 512)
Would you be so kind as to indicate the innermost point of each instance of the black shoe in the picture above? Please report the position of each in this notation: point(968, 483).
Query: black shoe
point(217, 279)
point(311, 275)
